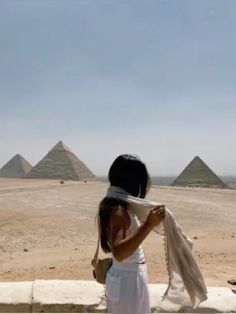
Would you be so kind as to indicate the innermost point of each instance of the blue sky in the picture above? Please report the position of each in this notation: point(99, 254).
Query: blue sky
point(155, 78)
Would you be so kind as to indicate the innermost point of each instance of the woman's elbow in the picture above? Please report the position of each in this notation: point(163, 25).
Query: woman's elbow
point(118, 255)
point(119, 258)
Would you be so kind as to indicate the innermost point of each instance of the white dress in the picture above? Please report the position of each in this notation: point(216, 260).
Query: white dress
point(127, 282)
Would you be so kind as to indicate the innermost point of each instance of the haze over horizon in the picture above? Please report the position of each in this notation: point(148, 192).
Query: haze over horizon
point(154, 78)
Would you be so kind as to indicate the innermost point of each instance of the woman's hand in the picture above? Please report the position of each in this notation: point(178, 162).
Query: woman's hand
point(155, 216)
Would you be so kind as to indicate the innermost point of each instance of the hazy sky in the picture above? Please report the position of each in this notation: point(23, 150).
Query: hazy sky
point(152, 77)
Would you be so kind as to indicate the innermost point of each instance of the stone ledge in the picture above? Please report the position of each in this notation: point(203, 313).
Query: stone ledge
point(67, 296)
point(81, 296)
point(220, 300)
point(16, 297)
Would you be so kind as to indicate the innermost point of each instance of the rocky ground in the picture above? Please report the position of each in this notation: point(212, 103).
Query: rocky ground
point(48, 229)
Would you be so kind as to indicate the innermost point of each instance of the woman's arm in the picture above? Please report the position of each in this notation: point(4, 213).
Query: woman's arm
point(121, 246)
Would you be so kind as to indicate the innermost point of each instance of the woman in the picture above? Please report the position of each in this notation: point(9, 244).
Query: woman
point(122, 235)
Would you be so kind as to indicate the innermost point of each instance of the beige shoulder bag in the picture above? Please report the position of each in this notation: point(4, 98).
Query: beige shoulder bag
point(100, 266)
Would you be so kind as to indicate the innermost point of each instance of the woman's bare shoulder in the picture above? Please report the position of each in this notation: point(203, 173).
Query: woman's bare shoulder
point(119, 216)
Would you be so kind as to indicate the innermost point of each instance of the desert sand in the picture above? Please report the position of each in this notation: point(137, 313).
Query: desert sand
point(48, 230)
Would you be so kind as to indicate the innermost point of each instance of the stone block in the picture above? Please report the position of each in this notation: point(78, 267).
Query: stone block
point(81, 296)
point(16, 297)
point(63, 296)
point(156, 292)
point(220, 300)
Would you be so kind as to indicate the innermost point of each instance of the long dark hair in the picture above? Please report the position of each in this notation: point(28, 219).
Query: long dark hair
point(129, 173)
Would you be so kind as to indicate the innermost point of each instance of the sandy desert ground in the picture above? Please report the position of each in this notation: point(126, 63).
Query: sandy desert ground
point(48, 230)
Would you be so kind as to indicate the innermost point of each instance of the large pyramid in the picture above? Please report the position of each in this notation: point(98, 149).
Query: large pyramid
point(61, 163)
point(197, 173)
point(17, 167)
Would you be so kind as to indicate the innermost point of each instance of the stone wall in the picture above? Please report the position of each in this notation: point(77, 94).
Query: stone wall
point(80, 296)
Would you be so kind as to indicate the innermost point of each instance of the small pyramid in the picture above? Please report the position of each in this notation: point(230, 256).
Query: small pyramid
point(61, 163)
point(197, 173)
point(17, 167)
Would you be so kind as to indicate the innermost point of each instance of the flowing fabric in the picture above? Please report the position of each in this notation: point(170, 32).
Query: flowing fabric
point(186, 284)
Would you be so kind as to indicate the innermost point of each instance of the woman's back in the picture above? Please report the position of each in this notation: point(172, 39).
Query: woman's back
point(137, 257)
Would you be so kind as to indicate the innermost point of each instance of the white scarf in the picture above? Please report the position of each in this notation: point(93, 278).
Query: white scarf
point(186, 285)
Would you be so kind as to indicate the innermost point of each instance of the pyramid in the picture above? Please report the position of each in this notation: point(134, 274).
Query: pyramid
point(61, 163)
point(17, 167)
point(197, 173)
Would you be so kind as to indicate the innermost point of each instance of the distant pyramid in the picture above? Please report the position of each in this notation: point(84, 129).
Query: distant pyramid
point(17, 167)
point(197, 173)
point(61, 163)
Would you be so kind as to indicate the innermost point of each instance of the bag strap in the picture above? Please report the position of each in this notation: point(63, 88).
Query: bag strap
point(97, 250)
point(95, 258)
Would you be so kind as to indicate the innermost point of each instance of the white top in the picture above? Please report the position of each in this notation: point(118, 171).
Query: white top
point(138, 256)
